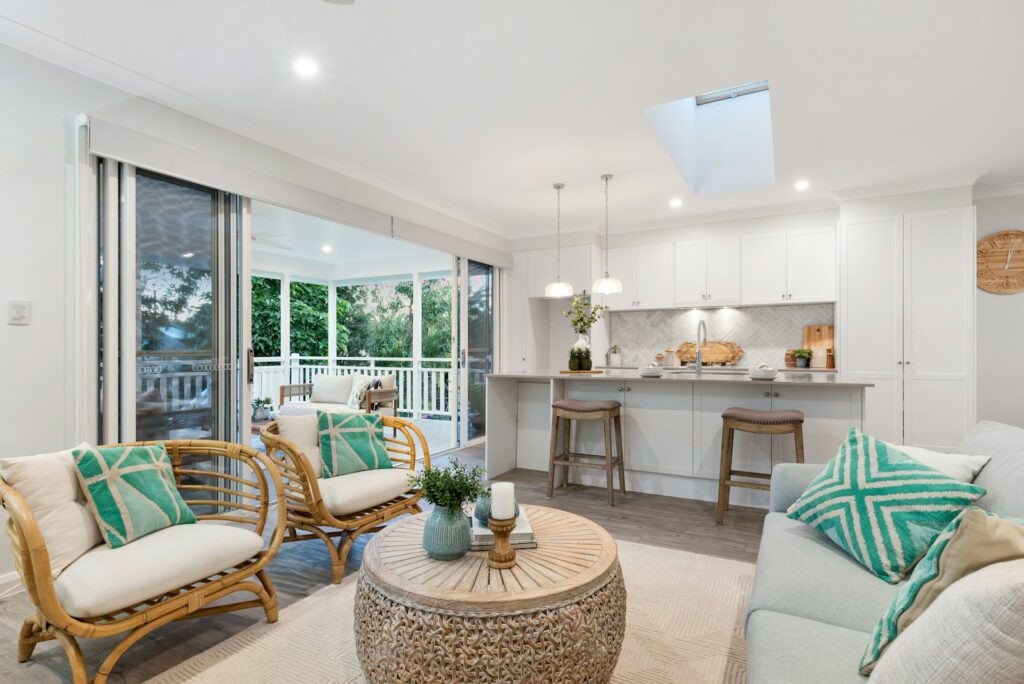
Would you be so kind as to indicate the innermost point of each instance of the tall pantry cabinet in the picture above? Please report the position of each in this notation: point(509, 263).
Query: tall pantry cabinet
point(906, 323)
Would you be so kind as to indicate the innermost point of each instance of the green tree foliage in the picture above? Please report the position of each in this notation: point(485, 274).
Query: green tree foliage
point(308, 319)
point(266, 316)
point(175, 307)
point(437, 318)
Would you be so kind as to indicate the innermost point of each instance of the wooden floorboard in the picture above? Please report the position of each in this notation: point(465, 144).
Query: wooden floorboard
point(301, 569)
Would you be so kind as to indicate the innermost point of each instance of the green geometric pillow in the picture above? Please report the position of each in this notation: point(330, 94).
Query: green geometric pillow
point(881, 506)
point(131, 491)
point(975, 539)
point(350, 442)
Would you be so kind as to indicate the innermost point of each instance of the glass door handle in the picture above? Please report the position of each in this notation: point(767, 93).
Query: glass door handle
point(250, 365)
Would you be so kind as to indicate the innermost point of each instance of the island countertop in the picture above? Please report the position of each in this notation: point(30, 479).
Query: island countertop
point(669, 376)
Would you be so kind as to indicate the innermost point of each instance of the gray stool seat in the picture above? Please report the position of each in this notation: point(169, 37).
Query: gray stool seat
point(763, 417)
point(585, 406)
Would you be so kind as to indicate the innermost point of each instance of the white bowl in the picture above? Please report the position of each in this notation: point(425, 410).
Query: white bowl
point(763, 373)
point(650, 372)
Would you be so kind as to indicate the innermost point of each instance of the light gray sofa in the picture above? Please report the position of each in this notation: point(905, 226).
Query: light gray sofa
point(813, 608)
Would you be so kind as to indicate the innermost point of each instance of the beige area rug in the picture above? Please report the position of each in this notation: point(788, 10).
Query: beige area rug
point(684, 623)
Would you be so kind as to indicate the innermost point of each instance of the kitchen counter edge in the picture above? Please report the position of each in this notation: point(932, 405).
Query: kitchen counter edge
point(783, 378)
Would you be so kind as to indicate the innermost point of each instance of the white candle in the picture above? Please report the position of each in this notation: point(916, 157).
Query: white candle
point(503, 500)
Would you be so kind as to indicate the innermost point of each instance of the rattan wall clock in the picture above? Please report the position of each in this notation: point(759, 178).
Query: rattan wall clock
point(1001, 262)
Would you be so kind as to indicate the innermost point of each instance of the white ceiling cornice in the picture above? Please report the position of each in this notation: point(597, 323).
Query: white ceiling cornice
point(990, 191)
point(961, 180)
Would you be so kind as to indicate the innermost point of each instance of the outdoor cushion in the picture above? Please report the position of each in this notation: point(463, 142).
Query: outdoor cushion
point(387, 381)
point(801, 572)
point(881, 506)
point(1003, 477)
point(350, 442)
point(355, 492)
point(784, 649)
point(49, 485)
point(131, 491)
point(357, 397)
point(107, 579)
point(331, 389)
point(306, 408)
point(301, 430)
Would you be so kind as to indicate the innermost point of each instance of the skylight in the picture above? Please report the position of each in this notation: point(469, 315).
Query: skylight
point(730, 93)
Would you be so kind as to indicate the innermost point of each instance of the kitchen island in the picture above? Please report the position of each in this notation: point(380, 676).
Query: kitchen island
point(672, 426)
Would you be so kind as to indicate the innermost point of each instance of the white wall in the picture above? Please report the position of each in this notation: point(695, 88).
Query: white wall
point(1000, 321)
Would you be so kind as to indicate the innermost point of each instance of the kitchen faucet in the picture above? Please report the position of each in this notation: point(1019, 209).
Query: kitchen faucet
point(702, 339)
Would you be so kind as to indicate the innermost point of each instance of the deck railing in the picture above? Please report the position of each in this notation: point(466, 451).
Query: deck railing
point(426, 386)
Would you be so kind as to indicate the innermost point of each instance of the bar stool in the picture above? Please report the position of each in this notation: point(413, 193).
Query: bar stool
point(757, 422)
point(568, 410)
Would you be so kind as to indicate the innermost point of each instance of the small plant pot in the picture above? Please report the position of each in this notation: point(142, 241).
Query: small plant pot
point(802, 362)
point(447, 534)
point(574, 363)
point(483, 508)
point(586, 364)
point(261, 414)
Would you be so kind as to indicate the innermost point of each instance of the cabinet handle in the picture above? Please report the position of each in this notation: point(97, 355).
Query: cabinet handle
point(767, 394)
point(899, 363)
point(619, 389)
point(628, 389)
point(776, 395)
point(908, 363)
point(783, 297)
point(709, 297)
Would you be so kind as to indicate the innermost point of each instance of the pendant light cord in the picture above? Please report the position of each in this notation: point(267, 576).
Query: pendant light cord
point(558, 231)
point(607, 177)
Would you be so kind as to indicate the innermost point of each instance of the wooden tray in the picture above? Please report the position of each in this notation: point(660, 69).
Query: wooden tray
point(726, 353)
point(589, 372)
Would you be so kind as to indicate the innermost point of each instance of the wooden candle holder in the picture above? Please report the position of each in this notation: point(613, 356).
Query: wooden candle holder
point(502, 555)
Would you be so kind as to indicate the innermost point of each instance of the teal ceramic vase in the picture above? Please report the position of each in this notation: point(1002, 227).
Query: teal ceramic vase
point(447, 534)
point(483, 508)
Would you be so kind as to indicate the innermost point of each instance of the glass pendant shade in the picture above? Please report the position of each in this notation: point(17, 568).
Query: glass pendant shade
point(607, 285)
point(558, 289)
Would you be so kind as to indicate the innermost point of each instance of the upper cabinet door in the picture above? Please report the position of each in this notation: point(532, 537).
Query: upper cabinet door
point(654, 277)
point(812, 266)
point(621, 265)
point(691, 273)
point(576, 267)
point(541, 269)
point(763, 268)
point(723, 271)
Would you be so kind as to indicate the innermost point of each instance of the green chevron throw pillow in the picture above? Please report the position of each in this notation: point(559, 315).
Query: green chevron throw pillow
point(881, 506)
point(131, 491)
point(350, 442)
point(975, 539)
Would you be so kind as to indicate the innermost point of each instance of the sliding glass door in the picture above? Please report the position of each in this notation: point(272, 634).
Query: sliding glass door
point(477, 345)
point(175, 366)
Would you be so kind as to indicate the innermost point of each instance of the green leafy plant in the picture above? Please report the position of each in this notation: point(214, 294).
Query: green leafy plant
point(582, 314)
point(263, 403)
point(450, 487)
point(802, 354)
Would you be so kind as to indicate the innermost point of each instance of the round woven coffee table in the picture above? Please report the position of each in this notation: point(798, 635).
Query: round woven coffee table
point(558, 616)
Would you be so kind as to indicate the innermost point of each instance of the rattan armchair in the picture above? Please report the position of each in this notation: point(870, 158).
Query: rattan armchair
point(241, 496)
point(307, 513)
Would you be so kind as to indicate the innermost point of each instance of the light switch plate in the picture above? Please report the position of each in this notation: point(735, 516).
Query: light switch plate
point(19, 312)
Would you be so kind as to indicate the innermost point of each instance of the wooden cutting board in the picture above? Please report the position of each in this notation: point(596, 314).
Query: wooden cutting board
point(727, 353)
point(818, 337)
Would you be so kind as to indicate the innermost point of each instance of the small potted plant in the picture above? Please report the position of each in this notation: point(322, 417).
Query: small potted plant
point(614, 356)
point(803, 358)
point(261, 408)
point(448, 534)
point(582, 316)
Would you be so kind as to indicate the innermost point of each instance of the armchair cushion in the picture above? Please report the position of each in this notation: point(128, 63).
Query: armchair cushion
point(131, 490)
point(331, 389)
point(105, 579)
point(302, 431)
point(355, 492)
point(49, 485)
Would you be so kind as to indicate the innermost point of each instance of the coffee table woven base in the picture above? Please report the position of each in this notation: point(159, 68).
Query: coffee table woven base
point(567, 632)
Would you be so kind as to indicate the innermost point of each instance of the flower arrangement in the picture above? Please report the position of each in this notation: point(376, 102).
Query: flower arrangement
point(582, 314)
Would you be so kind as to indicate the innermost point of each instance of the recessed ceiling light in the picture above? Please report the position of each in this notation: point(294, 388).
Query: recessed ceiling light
point(305, 67)
point(188, 255)
point(802, 184)
point(675, 202)
point(326, 249)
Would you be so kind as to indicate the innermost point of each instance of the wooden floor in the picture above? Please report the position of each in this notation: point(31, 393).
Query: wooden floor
point(301, 569)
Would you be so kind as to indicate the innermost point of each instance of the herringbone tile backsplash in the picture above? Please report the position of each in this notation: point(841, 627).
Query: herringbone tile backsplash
point(764, 332)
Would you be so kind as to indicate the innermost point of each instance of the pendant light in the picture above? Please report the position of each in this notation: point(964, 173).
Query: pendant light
point(606, 284)
point(557, 289)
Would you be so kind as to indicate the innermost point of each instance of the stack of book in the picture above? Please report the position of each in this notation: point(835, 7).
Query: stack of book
point(521, 537)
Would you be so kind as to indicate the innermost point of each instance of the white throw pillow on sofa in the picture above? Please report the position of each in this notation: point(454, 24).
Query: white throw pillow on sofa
point(302, 431)
point(958, 466)
point(331, 389)
point(974, 632)
point(49, 485)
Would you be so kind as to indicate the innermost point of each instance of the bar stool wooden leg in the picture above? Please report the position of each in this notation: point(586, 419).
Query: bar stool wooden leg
point(724, 473)
point(608, 459)
point(554, 452)
point(622, 459)
point(567, 449)
point(798, 436)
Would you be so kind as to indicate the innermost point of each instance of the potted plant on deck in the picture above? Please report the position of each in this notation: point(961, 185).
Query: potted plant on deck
point(582, 315)
point(261, 408)
point(448, 534)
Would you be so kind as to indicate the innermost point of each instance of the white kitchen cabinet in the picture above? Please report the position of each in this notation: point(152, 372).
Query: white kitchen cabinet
point(541, 269)
point(622, 265)
point(646, 274)
point(750, 452)
point(520, 314)
point(907, 323)
point(828, 417)
point(707, 272)
point(811, 266)
point(542, 265)
point(764, 269)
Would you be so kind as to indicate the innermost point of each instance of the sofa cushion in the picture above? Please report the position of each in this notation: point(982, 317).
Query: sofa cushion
point(1003, 477)
point(801, 572)
point(301, 430)
point(49, 485)
point(976, 539)
point(106, 579)
point(331, 389)
point(131, 490)
point(355, 492)
point(963, 467)
point(881, 506)
point(974, 632)
point(785, 649)
point(350, 442)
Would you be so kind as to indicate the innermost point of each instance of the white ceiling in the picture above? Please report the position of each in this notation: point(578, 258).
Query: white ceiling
point(480, 106)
